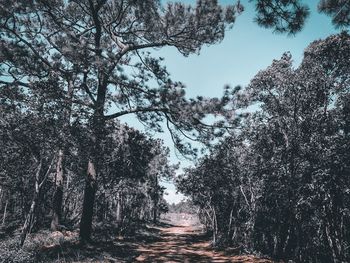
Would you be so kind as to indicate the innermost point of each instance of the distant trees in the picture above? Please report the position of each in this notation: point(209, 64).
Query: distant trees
point(182, 207)
point(285, 173)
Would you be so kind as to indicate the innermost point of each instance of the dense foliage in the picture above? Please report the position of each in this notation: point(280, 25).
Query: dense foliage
point(280, 184)
point(129, 185)
point(184, 206)
point(289, 16)
point(91, 57)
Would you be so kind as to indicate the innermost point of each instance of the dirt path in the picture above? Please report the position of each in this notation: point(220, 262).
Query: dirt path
point(163, 243)
point(184, 244)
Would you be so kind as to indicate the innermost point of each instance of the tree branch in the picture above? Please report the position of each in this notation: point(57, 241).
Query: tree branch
point(15, 82)
point(136, 110)
point(36, 53)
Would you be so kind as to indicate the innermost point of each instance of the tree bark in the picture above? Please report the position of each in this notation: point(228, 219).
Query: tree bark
point(58, 195)
point(95, 155)
point(119, 209)
point(88, 204)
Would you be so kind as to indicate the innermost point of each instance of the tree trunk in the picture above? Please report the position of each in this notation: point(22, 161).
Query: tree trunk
point(88, 204)
point(95, 155)
point(59, 177)
point(58, 195)
point(119, 209)
point(215, 227)
point(332, 245)
point(29, 221)
point(1, 194)
point(4, 215)
point(155, 214)
point(30, 216)
point(229, 232)
point(155, 200)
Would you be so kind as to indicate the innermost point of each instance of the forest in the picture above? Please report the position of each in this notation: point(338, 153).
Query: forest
point(270, 173)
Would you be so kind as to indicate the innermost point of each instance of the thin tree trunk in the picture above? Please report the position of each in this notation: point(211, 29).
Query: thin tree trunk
point(31, 214)
point(58, 195)
point(88, 204)
point(155, 214)
point(4, 215)
point(229, 236)
point(215, 226)
point(66, 196)
point(155, 200)
point(119, 209)
point(332, 245)
point(1, 194)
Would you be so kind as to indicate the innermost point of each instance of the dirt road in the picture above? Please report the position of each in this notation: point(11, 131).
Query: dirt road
point(180, 242)
point(184, 244)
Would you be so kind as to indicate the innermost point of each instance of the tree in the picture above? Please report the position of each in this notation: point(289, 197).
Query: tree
point(132, 165)
point(283, 16)
point(339, 10)
point(285, 172)
point(28, 151)
point(289, 16)
point(88, 46)
point(96, 53)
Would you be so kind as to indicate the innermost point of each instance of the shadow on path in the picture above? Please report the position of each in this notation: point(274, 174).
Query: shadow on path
point(185, 244)
point(161, 243)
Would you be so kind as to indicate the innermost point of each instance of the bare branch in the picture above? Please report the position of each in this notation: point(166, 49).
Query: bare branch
point(136, 110)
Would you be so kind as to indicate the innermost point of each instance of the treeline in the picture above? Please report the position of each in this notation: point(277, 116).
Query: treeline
point(42, 186)
point(182, 207)
point(280, 185)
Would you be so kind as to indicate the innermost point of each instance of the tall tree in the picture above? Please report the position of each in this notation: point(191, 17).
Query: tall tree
point(98, 49)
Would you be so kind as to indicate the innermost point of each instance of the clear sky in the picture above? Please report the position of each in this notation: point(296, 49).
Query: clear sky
point(246, 49)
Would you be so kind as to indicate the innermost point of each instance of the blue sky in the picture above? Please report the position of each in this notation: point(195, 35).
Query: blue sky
point(246, 49)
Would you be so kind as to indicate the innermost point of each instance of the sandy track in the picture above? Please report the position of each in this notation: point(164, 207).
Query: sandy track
point(184, 244)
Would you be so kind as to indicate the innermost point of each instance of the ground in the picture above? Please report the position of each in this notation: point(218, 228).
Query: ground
point(169, 241)
point(185, 244)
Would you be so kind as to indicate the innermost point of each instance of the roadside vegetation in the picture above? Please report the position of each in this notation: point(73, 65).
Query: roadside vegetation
point(279, 185)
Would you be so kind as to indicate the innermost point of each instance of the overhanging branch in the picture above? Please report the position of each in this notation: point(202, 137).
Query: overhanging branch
point(136, 110)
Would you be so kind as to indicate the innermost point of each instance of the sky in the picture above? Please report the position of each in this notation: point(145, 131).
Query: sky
point(246, 49)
